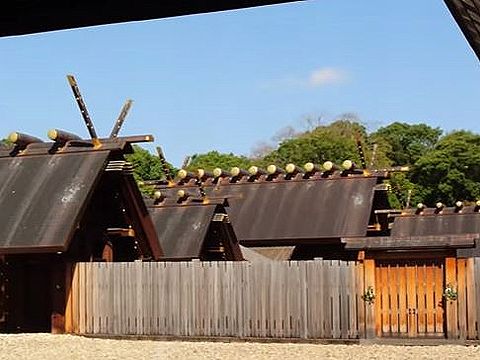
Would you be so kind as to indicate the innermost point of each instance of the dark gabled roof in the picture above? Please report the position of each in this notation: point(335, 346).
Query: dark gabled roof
point(291, 211)
point(431, 224)
point(24, 17)
point(467, 16)
point(42, 197)
point(182, 230)
point(45, 190)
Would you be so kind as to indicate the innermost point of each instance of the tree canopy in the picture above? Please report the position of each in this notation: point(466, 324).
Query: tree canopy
point(450, 171)
point(403, 143)
point(443, 168)
point(214, 159)
point(146, 165)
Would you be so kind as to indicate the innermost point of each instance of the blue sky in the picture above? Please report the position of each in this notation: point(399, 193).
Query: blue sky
point(229, 80)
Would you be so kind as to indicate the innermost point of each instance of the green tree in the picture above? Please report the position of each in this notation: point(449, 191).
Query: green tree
point(402, 191)
point(4, 142)
point(451, 171)
point(403, 143)
point(214, 159)
point(146, 165)
point(335, 142)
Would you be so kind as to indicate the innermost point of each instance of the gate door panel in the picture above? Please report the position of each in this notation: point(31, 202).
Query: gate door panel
point(409, 300)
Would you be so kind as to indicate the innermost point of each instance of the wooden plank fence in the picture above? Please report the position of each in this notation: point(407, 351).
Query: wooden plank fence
point(309, 299)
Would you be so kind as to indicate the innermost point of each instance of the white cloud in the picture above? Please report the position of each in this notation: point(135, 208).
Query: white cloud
point(327, 76)
point(321, 77)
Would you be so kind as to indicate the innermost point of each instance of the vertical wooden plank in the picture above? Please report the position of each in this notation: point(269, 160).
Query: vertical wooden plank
point(402, 299)
point(378, 304)
point(343, 293)
point(319, 316)
point(471, 301)
point(360, 276)
point(385, 299)
point(370, 316)
point(393, 289)
point(412, 300)
point(304, 303)
point(421, 299)
point(327, 299)
point(451, 306)
point(439, 301)
point(352, 301)
point(430, 304)
point(477, 292)
point(462, 298)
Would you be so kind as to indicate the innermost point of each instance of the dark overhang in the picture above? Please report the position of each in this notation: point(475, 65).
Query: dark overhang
point(467, 16)
point(33, 16)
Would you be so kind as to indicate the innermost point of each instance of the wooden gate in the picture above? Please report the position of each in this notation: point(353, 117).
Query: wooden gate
point(409, 299)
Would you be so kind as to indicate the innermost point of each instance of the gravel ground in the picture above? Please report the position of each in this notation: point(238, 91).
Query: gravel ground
point(46, 346)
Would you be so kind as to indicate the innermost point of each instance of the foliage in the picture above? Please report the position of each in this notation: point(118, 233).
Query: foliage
point(215, 159)
point(402, 192)
point(335, 142)
point(406, 143)
point(4, 142)
point(451, 171)
point(450, 293)
point(146, 165)
point(369, 296)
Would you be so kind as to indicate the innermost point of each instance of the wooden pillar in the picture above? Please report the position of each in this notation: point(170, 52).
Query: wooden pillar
point(370, 328)
point(451, 306)
point(69, 268)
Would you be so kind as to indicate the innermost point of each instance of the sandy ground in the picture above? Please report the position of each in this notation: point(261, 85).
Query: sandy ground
point(46, 346)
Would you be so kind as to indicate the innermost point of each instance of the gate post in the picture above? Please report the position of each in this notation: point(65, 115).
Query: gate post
point(451, 306)
point(369, 266)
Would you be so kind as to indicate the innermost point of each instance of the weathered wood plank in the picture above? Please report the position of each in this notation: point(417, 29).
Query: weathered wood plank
point(411, 300)
point(471, 300)
point(393, 283)
point(452, 306)
point(430, 304)
point(370, 320)
point(360, 304)
point(421, 299)
point(462, 298)
point(439, 301)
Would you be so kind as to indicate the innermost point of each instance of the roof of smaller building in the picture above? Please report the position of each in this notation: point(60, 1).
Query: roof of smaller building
point(289, 211)
point(429, 223)
point(182, 230)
